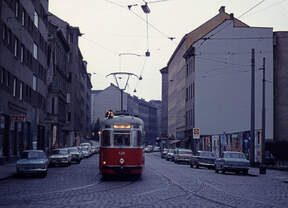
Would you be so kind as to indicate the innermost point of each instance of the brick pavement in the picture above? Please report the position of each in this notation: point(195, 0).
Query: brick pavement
point(7, 170)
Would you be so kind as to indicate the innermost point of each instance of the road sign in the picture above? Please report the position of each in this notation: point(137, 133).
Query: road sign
point(196, 133)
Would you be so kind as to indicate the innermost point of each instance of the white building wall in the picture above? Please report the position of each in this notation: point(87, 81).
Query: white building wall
point(223, 79)
point(109, 98)
point(176, 93)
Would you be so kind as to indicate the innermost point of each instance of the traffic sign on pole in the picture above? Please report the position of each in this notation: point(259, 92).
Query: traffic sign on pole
point(196, 133)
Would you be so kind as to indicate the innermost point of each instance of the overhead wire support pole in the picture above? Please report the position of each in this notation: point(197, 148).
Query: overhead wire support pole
point(252, 118)
point(263, 113)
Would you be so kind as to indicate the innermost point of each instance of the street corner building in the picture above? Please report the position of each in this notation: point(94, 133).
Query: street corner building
point(39, 107)
point(207, 81)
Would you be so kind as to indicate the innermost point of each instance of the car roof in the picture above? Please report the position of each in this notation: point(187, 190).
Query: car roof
point(33, 151)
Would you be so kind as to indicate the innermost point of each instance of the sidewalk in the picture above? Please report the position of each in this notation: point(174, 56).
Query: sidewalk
point(7, 170)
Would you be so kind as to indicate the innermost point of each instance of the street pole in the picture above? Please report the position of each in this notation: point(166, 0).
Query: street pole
point(263, 116)
point(252, 119)
point(121, 99)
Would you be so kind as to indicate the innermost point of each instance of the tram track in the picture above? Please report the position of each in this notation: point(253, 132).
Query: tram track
point(88, 189)
point(203, 186)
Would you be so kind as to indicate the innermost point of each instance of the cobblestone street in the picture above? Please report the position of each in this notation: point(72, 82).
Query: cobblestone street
point(163, 184)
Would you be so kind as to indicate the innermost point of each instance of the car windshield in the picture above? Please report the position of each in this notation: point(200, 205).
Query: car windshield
point(85, 148)
point(60, 151)
point(188, 152)
point(73, 150)
point(234, 155)
point(33, 155)
point(207, 154)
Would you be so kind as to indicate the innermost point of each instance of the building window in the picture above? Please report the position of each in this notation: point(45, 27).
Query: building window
point(53, 105)
point(35, 51)
point(34, 83)
point(68, 98)
point(16, 48)
point(68, 116)
point(70, 38)
point(9, 37)
point(36, 19)
point(21, 91)
point(14, 87)
point(23, 18)
point(17, 9)
point(8, 79)
point(22, 54)
point(4, 32)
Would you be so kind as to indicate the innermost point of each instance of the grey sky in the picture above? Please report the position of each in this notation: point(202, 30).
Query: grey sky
point(110, 29)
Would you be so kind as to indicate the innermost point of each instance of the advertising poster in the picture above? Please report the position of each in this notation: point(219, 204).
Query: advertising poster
point(258, 146)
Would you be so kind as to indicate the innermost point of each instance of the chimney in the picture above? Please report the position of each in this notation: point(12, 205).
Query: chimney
point(222, 9)
point(231, 16)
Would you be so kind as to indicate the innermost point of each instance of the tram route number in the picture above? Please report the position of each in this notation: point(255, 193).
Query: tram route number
point(121, 153)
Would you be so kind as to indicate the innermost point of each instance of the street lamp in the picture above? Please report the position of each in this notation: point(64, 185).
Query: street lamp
point(145, 8)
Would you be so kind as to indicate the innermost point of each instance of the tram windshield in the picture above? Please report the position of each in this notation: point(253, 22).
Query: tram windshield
point(122, 139)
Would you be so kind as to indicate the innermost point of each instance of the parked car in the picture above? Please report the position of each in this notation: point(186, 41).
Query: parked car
point(233, 162)
point(60, 157)
point(170, 155)
point(204, 159)
point(86, 148)
point(164, 153)
point(86, 151)
point(81, 154)
point(156, 149)
point(148, 148)
point(33, 162)
point(182, 155)
point(75, 155)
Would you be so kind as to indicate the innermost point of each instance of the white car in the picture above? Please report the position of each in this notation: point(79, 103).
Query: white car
point(60, 157)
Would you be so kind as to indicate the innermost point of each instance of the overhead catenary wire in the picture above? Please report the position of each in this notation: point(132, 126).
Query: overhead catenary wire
point(141, 18)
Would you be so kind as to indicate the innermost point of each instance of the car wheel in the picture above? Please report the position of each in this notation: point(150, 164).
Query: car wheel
point(191, 166)
point(44, 174)
point(245, 172)
point(197, 166)
point(216, 171)
point(223, 171)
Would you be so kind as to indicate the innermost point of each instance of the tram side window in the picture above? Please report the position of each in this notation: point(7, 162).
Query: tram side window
point(122, 139)
point(139, 138)
point(105, 138)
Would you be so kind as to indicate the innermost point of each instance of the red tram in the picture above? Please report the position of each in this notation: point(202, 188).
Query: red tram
point(121, 148)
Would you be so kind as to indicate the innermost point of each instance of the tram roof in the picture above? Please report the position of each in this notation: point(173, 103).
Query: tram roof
point(122, 119)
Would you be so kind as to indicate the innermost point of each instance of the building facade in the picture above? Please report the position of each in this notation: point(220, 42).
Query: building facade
point(110, 99)
point(209, 79)
point(280, 86)
point(164, 107)
point(23, 68)
point(40, 68)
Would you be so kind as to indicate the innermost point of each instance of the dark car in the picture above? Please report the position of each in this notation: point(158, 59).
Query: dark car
point(203, 158)
point(232, 162)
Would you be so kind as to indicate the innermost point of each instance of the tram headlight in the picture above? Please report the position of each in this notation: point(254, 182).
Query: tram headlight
point(121, 161)
point(104, 162)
